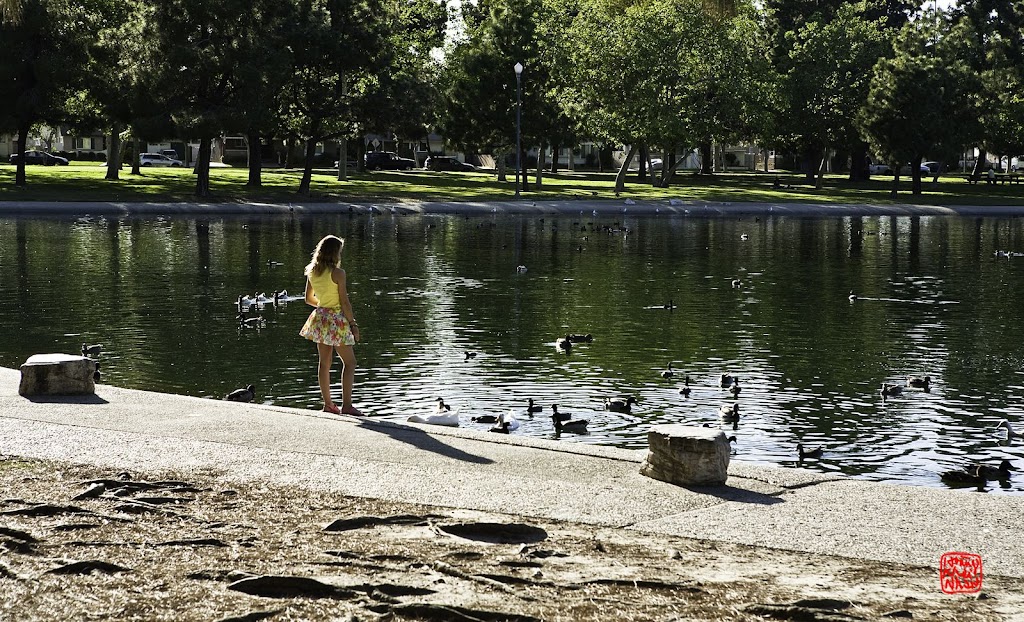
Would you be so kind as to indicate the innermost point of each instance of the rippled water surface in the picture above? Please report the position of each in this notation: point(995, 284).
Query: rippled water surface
point(160, 295)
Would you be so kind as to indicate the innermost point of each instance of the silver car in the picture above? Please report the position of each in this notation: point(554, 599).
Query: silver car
point(157, 159)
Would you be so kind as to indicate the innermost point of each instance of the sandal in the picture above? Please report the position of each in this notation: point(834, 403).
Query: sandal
point(352, 410)
point(331, 408)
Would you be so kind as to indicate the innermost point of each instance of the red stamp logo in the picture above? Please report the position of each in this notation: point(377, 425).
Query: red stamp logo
point(960, 573)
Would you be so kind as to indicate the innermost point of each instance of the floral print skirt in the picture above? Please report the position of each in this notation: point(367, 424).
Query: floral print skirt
point(328, 326)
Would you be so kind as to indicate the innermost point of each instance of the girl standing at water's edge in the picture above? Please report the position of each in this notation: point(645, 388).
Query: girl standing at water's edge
point(331, 324)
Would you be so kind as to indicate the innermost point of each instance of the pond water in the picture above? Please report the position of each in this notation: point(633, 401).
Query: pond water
point(160, 295)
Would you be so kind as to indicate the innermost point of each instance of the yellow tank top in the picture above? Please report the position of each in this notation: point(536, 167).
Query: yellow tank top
point(326, 290)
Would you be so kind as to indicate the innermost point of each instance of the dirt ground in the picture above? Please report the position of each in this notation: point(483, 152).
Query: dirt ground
point(77, 543)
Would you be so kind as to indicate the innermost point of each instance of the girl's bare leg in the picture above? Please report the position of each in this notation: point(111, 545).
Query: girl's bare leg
point(326, 353)
point(348, 374)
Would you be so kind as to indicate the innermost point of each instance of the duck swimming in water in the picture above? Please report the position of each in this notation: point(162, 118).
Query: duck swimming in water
point(449, 419)
point(735, 388)
point(978, 473)
point(685, 390)
point(919, 382)
point(618, 404)
point(242, 395)
point(668, 373)
point(565, 422)
point(889, 390)
point(1010, 432)
point(811, 453)
point(533, 408)
point(729, 413)
point(563, 344)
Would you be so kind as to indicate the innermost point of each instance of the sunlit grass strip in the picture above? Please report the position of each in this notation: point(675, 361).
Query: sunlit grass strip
point(84, 182)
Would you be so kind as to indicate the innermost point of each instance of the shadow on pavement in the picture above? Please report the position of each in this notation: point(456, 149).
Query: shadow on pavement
point(67, 399)
point(422, 440)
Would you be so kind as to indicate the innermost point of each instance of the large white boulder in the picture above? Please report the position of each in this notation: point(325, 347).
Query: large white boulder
point(687, 455)
point(57, 374)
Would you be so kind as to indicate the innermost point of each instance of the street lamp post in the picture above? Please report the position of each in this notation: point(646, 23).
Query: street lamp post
point(519, 72)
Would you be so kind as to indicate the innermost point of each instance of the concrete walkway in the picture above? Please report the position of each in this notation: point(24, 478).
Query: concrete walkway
point(526, 206)
point(126, 430)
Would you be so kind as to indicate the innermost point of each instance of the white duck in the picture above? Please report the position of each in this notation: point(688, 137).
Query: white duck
point(1010, 432)
point(450, 419)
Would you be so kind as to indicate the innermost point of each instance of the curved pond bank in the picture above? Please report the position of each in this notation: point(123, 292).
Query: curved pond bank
point(777, 508)
point(673, 206)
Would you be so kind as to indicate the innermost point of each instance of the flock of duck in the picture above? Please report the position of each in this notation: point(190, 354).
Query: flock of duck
point(249, 307)
point(976, 473)
point(504, 423)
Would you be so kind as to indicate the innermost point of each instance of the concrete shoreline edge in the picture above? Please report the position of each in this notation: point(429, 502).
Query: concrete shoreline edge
point(762, 506)
point(668, 207)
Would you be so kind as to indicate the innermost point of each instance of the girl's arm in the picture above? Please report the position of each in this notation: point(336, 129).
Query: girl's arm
point(338, 276)
point(310, 297)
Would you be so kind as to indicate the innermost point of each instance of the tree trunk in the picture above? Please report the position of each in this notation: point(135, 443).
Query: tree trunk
point(554, 158)
point(19, 173)
point(766, 151)
point(668, 168)
point(361, 155)
point(570, 162)
point(499, 165)
point(915, 175)
point(202, 169)
point(859, 168)
point(343, 160)
point(641, 174)
point(136, 170)
point(620, 179)
point(255, 160)
point(289, 152)
point(819, 181)
point(114, 154)
point(979, 164)
point(809, 165)
point(541, 159)
point(307, 169)
point(705, 159)
point(895, 182)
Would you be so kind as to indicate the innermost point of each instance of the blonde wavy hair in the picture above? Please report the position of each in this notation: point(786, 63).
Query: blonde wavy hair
point(326, 256)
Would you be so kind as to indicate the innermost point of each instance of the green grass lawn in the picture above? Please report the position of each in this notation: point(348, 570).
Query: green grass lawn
point(84, 182)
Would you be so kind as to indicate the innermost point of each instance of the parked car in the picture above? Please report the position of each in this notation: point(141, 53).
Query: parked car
point(446, 163)
point(170, 153)
point(39, 157)
point(885, 169)
point(933, 167)
point(349, 164)
point(387, 160)
point(158, 159)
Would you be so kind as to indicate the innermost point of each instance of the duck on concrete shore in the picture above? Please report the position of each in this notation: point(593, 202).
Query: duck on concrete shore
point(245, 394)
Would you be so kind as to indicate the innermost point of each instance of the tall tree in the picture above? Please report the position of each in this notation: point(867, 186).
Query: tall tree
point(919, 100)
point(829, 69)
point(40, 60)
point(335, 42)
point(193, 55)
